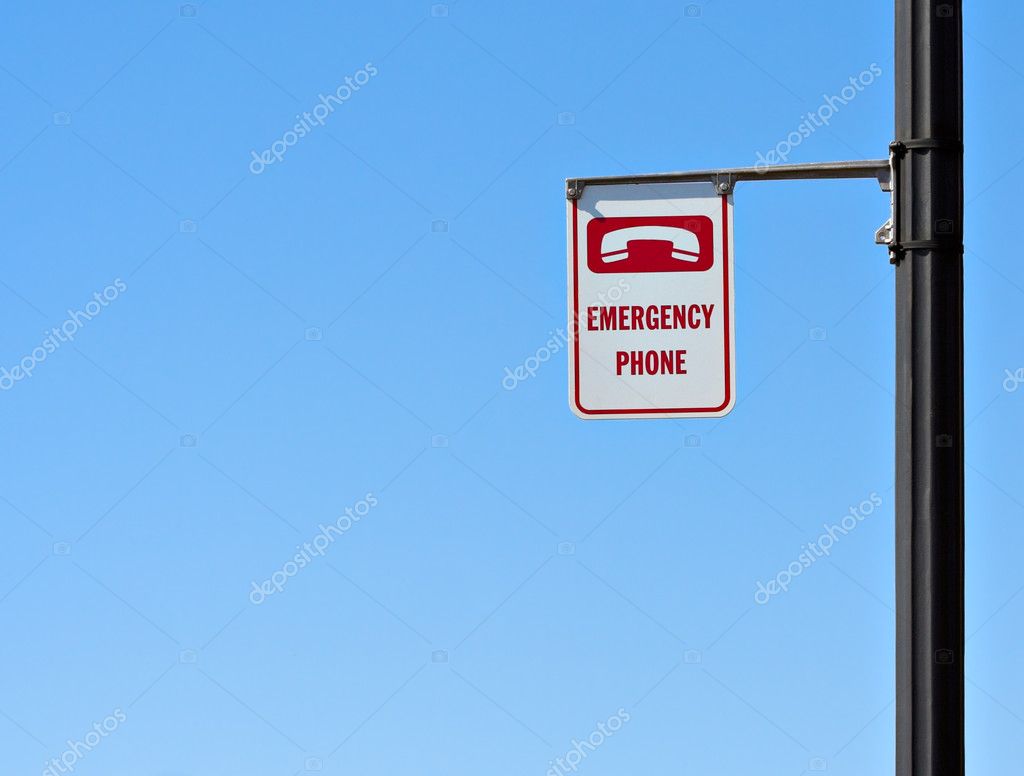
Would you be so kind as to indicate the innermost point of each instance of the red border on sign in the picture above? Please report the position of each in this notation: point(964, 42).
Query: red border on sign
point(575, 327)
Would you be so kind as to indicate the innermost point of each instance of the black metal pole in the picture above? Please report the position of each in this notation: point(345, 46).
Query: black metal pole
point(929, 389)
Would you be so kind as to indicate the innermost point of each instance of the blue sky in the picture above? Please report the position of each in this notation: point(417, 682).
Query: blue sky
point(306, 359)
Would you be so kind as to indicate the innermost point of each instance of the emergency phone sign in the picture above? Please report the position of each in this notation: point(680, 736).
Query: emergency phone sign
point(651, 301)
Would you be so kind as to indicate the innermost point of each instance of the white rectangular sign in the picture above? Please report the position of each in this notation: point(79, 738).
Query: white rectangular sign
point(651, 301)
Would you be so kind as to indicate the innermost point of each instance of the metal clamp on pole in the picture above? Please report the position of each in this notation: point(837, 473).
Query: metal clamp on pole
point(943, 229)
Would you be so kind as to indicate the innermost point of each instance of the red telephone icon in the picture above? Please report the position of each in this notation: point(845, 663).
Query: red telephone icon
point(651, 244)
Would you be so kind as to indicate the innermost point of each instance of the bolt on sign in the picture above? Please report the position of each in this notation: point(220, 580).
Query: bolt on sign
point(651, 301)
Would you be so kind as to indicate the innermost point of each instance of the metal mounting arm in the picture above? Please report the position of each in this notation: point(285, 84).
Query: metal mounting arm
point(726, 179)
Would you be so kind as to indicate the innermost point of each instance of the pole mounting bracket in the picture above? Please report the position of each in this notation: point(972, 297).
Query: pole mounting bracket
point(944, 230)
point(900, 147)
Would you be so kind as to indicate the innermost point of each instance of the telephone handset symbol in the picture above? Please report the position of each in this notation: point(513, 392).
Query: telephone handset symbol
point(654, 244)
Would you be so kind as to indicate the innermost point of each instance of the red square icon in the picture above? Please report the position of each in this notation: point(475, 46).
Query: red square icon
point(651, 244)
